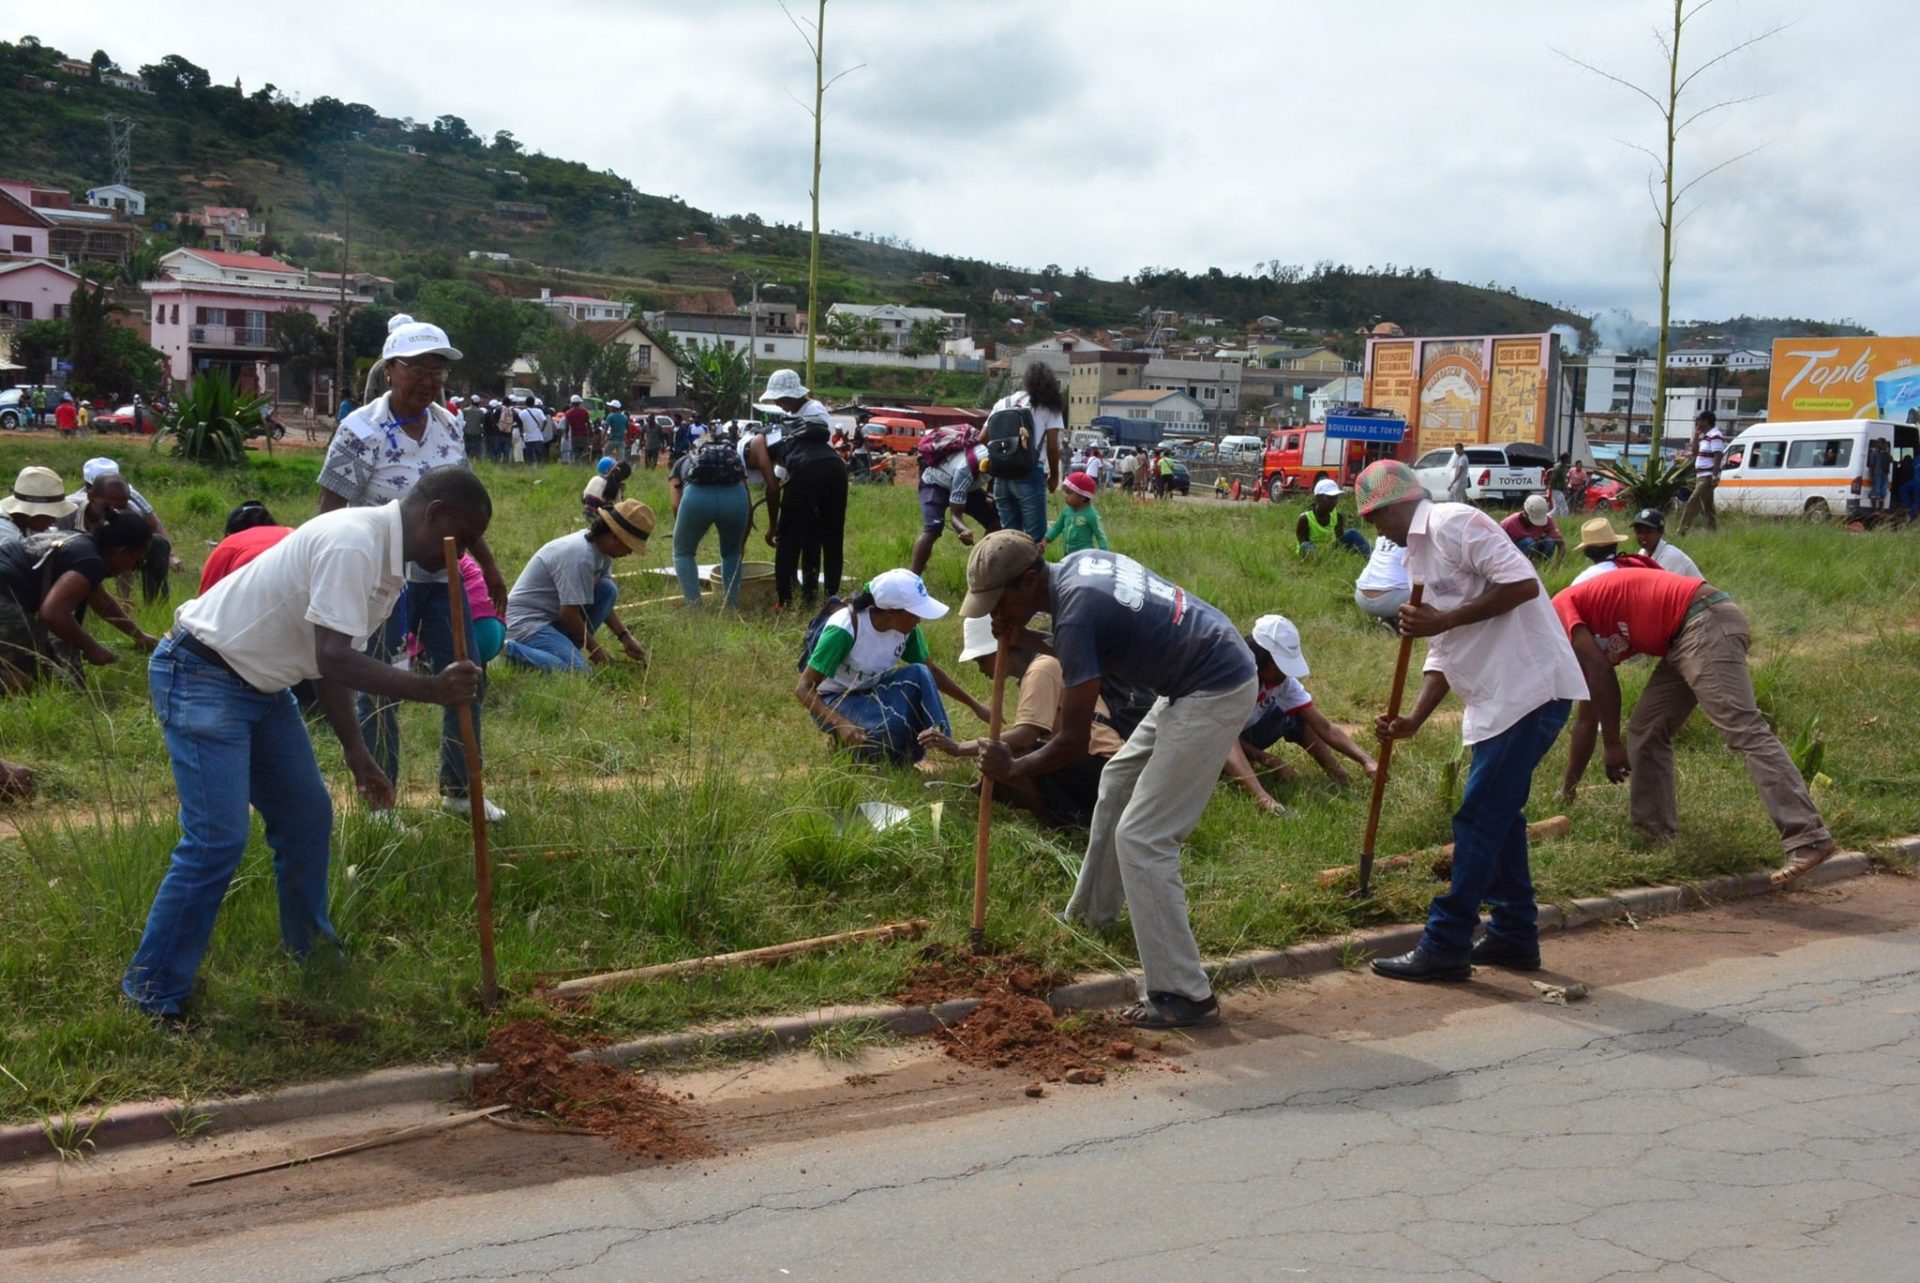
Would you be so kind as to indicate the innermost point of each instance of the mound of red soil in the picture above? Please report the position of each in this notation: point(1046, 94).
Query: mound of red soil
point(538, 1076)
point(945, 973)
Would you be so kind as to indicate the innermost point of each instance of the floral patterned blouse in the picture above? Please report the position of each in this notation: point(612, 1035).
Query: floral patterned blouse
point(372, 461)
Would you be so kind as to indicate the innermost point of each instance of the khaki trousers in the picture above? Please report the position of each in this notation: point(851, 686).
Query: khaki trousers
point(1152, 794)
point(1700, 504)
point(1708, 666)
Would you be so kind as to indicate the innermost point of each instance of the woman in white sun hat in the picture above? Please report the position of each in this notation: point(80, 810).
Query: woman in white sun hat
point(377, 455)
point(813, 498)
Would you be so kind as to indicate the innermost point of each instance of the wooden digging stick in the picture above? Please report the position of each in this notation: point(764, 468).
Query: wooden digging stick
point(596, 981)
point(378, 1142)
point(1386, 754)
point(476, 791)
point(1442, 856)
point(978, 936)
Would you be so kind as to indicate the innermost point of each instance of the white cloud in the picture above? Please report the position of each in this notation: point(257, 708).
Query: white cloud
point(1115, 135)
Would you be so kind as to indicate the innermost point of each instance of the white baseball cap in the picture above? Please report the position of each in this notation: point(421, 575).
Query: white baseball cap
point(574, 399)
point(977, 639)
point(613, 405)
point(494, 404)
point(408, 337)
point(1536, 507)
point(1276, 635)
point(1326, 486)
point(904, 590)
point(94, 469)
point(782, 384)
point(453, 400)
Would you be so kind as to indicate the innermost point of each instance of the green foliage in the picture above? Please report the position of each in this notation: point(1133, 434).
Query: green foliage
point(212, 421)
point(715, 381)
point(488, 329)
point(925, 337)
point(303, 345)
point(1809, 750)
point(1655, 486)
point(38, 343)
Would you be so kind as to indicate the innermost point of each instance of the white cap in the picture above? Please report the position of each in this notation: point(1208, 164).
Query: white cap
point(977, 639)
point(1276, 635)
point(408, 337)
point(574, 399)
point(94, 469)
point(1536, 507)
point(1326, 486)
point(453, 400)
point(904, 590)
point(613, 405)
point(782, 384)
point(494, 404)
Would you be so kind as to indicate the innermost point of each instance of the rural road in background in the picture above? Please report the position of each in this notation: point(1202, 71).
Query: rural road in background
point(1739, 1100)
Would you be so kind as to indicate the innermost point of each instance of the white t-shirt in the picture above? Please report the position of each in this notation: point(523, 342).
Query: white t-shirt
point(342, 570)
point(1288, 695)
point(1706, 455)
point(533, 425)
point(876, 652)
point(1597, 568)
point(1668, 557)
point(1385, 570)
point(1501, 668)
point(1095, 465)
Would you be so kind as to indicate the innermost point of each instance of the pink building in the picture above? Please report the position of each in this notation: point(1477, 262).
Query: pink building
point(24, 230)
point(31, 291)
point(211, 311)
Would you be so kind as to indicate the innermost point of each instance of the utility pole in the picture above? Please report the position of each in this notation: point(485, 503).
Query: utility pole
point(340, 312)
point(813, 264)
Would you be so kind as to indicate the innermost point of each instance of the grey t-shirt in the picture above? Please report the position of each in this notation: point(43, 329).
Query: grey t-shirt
point(1112, 617)
point(562, 573)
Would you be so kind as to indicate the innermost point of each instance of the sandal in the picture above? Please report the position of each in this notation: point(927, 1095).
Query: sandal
point(1801, 863)
point(1173, 1011)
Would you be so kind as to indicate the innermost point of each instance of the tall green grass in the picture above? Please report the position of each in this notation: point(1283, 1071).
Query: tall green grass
point(690, 807)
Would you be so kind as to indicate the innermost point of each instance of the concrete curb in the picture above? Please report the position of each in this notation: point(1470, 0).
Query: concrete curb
point(155, 1120)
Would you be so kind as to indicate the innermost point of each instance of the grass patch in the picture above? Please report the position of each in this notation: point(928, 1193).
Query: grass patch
point(690, 808)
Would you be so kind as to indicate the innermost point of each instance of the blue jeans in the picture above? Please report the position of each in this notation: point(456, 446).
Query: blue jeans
point(703, 508)
point(1490, 840)
point(893, 712)
point(1910, 498)
point(1539, 548)
point(219, 732)
point(552, 651)
point(426, 607)
point(1023, 502)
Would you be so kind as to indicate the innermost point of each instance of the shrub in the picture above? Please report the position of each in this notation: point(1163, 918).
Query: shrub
point(212, 421)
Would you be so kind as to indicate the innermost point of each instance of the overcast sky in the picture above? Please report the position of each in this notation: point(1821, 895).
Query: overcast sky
point(1112, 135)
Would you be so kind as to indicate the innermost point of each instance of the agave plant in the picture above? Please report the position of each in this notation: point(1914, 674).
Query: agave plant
point(1655, 486)
point(212, 421)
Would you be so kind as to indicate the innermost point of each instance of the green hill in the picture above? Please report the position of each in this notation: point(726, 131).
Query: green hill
point(423, 196)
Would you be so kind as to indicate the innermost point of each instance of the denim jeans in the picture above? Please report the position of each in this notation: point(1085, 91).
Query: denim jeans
point(220, 731)
point(893, 712)
point(425, 607)
point(552, 651)
point(1351, 540)
point(1023, 502)
point(704, 508)
point(1490, 840)
point(1539, 547)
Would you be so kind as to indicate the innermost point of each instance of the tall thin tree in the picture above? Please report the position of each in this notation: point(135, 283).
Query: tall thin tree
point(1677, 114)
point(817, 46)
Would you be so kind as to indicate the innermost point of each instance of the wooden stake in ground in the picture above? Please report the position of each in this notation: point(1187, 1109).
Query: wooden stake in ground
point(378, 1142)
point(978, 936)
point(476, 793)
point(1386, 755)
point(714, 962)
point(1556, 827)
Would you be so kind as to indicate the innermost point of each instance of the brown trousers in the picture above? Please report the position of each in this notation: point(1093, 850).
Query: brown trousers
point(1700, 504)
point(1708, 666)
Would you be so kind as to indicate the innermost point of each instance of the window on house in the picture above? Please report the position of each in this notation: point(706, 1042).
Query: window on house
point(59, 311)
point(768, 348)
point(18, 311)
point(176, 314)
point(23, 244)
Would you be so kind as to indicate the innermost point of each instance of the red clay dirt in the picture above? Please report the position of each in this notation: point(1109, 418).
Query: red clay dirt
point(539, 1077)
point(1014, 1027)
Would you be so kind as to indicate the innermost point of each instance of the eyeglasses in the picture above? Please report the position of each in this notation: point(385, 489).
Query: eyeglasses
point(423, 370)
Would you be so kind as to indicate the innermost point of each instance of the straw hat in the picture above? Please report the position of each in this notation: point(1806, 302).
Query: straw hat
point(38, 492)
point(1599, 533)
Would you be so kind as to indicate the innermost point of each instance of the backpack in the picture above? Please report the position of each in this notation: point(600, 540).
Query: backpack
point(715, 463)
point(818, 625)
point(815, 430)
point(934, 447)
point(1127, 705)
point(1010, 445)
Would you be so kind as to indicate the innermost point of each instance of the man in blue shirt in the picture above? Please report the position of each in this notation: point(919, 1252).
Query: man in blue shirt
point(1114, 618)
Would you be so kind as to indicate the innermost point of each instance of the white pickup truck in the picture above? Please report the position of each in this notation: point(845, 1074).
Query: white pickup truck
point(1495, 473)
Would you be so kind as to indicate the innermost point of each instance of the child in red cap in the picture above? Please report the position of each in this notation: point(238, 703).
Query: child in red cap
point(1078, 522)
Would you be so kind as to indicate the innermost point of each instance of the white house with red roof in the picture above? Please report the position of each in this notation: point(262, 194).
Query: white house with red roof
point(580, 307)
point(211, 310)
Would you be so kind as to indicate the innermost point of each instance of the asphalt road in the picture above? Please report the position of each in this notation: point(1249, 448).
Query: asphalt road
point(1737, 1117)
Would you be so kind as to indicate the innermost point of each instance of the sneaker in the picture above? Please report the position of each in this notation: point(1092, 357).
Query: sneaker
point(461, 807)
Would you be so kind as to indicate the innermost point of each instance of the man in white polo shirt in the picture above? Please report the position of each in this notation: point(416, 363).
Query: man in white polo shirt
point(1709, 453)
point(220, 682)
point(1497, 643)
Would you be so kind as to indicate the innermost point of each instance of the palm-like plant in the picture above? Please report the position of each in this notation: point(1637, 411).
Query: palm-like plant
point(716, 381)
point(1655, 486)
point(212, 421)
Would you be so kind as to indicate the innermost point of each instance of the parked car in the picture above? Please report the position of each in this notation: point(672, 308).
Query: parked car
point(1181, 482)
point(1815, 469)
point(1495, 473)
point(14, 404)
point(121, 420)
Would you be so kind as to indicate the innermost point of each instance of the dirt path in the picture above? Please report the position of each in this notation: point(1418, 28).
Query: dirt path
point(138, 1199)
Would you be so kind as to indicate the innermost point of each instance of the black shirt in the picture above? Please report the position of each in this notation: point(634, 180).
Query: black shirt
point(30, 568)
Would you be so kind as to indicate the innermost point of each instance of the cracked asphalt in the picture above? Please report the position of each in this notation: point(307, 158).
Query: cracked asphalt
point(1747, 1117)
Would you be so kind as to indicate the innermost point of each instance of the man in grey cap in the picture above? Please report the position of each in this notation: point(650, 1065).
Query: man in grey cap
point(1112, 617)
point(1650, 532)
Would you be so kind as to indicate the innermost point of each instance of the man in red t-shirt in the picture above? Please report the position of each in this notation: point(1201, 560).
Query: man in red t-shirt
point(250, 532)
point(67, 416)
point(1534, 531)
point(579, 430)
point(1700, 638)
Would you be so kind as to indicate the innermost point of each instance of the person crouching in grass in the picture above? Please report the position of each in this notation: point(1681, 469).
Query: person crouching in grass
point(869, 681)
point(567, 592)
point(221, 686)
point(1078, 525)
point(1283, 710)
